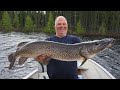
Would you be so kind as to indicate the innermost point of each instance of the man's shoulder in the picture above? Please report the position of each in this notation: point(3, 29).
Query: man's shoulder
point(50, 38)
point(73, 36)
point(76, 39)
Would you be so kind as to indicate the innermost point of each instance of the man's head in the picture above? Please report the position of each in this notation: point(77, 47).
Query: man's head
point(61, 26)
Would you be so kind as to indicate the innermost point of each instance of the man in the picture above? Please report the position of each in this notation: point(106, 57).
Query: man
point(61, 69)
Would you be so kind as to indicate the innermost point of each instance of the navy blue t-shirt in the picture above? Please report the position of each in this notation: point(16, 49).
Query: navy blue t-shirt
point(61, 69)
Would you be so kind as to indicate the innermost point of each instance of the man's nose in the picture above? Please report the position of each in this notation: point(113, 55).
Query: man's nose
point(62, 25)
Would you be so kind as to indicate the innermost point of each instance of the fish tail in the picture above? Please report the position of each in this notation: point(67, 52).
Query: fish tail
point(12, 63)
point(11, 60)
point(10, 57)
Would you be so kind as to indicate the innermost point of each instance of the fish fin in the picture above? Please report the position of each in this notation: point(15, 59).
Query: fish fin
point(22, 60)
point(21, 44)
point(12, 61)
point(84, 58)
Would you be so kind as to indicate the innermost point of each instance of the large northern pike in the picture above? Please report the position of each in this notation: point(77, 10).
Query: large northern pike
point(59, 51)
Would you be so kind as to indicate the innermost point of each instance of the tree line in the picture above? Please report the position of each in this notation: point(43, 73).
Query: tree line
point(80, 22)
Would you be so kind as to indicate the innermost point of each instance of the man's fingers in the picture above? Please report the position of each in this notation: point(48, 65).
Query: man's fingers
point(44, 59)
point(41, 57)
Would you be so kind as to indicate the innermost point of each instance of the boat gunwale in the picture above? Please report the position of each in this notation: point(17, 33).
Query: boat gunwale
point(30, 74)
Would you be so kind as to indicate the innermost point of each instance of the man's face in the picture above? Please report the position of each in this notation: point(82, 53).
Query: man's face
point(61, 27)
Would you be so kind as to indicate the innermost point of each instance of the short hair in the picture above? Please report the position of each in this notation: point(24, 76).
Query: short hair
point(57, 18)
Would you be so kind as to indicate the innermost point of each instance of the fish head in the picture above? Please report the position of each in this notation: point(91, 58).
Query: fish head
point(102, 44)
point(91, 48)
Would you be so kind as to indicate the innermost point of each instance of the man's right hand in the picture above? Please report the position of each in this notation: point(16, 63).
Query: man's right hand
point(44, 59)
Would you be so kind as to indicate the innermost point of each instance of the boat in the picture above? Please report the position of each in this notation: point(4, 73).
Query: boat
point(90, 70)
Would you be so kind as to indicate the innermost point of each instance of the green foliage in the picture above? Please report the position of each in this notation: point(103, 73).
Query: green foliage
point(102, 29)
point(0, 26)
point(6, 22)
point(79, 28)
point(16, 21)
point(29, 27)
point(50, 25)
point(22, 16)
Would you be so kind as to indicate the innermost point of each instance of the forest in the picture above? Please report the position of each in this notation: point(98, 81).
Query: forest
point(88, 23)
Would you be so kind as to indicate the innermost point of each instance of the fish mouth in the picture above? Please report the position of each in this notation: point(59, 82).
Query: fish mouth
point(111, 43)
point(107, 44)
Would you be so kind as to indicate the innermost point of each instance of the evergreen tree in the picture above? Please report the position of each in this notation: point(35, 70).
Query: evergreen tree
point(16, 21)
point(6, 22)
point(0, 26)
point(50, 25)
point(80, 30)
point(28, 24)
point(102, 29)
point(22, 16)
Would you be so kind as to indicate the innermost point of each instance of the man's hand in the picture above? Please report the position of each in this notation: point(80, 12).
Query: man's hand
point(44, 59)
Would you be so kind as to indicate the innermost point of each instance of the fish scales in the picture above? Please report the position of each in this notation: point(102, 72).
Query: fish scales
point(56, 50)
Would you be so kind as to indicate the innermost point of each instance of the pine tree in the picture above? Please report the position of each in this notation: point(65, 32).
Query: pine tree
point(80, 30)
point(16, 21)
point(102, 29)
point(50, 25)
point(6, 22)
point(0, 26)
point(28, 24)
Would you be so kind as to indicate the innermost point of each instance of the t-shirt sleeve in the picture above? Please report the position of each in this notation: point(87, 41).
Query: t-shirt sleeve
point(77, 39)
